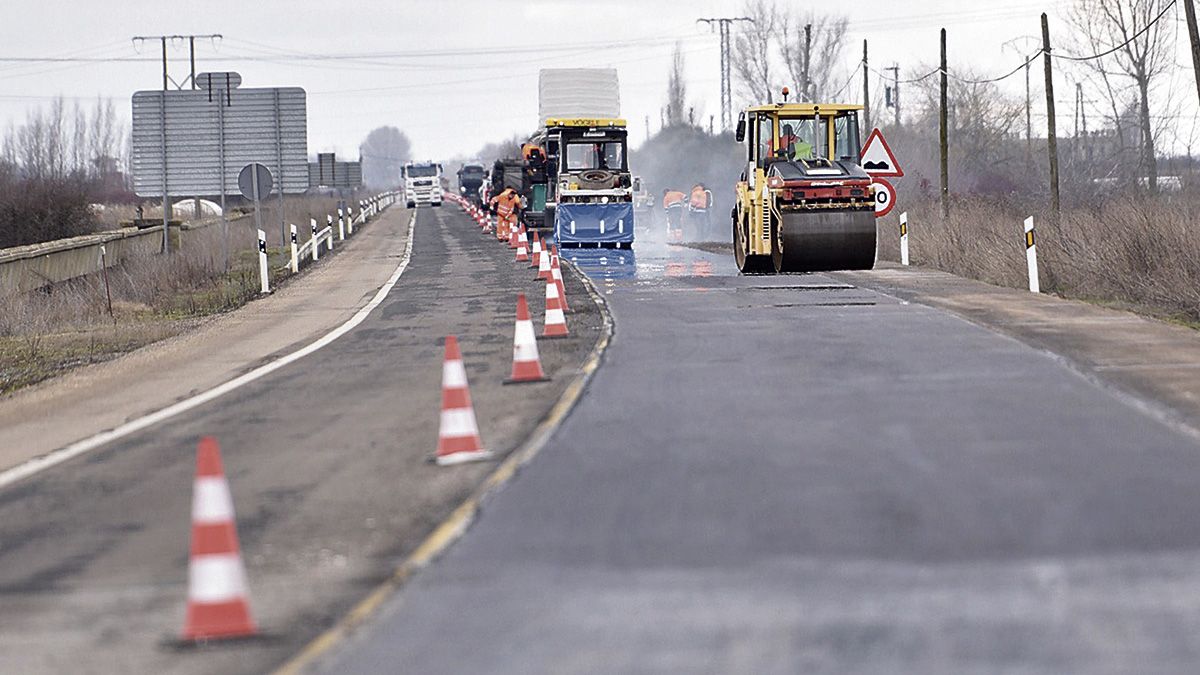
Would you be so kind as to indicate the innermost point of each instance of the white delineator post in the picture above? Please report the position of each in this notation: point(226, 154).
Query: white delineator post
point(1031, 256)
point(263, 272)
point(341, 225)
point(295, 255)
point(329, 223)
point(349, 220)
point(904, 238)
point(316, 254)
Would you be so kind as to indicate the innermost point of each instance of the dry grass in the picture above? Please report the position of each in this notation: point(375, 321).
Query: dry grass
point(1136, 251)
point(48, 332)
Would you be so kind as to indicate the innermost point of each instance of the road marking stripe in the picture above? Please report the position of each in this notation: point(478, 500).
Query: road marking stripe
point(38, 464)
point(453, 527)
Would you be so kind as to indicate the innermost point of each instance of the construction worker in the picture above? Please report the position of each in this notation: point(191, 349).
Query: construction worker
point(673, 201)
point(698, 209)
point(505, 207)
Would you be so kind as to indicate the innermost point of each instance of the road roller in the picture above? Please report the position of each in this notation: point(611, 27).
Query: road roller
point(804, 204)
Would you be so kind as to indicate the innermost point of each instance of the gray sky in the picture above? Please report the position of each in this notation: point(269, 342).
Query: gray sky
point(454, 75)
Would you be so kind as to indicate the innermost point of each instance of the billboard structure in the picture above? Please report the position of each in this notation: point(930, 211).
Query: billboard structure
point(327, 172)
point(193, 143)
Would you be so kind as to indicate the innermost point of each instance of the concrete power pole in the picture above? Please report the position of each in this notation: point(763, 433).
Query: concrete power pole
point(866, 90)
point(724, 27)
point(895, 91)
point(944, 136)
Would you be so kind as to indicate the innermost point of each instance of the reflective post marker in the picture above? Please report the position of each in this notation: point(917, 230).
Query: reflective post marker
point(329, 222)
point(904, 238)
point(295, 256)
point(1031, 256)
point(316, 244)
point(262, 262)
point(341, 225)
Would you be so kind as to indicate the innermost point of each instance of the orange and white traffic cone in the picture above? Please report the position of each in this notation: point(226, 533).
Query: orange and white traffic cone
point(555, 325)
point(535, 254)
point(522, 243)
point(217, 606)
point(527, 366)
point(458, 435)
point(512, 235)
point(544, 265)
point(556, 274)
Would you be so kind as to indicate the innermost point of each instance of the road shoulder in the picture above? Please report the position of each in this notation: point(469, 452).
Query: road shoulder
point(1155, 364)
point(91, 399)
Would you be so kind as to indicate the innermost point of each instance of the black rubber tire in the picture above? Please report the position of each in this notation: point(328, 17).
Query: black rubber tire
point(748, 264)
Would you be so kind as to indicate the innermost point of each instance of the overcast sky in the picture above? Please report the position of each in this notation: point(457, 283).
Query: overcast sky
point(466, 72)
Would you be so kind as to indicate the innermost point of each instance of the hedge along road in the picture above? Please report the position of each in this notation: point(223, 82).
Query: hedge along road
point(800, 475)
point(326, 458)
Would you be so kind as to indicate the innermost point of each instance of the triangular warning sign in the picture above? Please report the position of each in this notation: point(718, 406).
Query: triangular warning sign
point(877, 158)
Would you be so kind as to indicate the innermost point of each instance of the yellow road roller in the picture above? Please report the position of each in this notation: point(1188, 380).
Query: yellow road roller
point(804, 204)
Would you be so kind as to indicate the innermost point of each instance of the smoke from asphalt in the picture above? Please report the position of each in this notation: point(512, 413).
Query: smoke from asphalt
point(678, 158)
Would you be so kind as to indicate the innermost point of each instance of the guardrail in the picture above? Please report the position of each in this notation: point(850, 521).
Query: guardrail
point(28, 268)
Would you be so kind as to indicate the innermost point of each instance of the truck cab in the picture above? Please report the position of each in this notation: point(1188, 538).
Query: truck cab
point(470, 179)
point(589, 188)
point(804, 203)
point(422, 183)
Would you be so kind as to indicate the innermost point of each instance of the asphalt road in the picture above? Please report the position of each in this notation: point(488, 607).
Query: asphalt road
point(327, 463)
point(792, 474)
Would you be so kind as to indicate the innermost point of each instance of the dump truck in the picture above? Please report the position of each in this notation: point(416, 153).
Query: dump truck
point(804, 204)
point(470, 179)
point(422, 183)
point(588, 188)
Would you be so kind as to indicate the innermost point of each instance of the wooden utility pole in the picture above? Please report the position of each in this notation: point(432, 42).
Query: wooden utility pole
point(1190, 10)
point(1051, 136)
point(944, 136)
point(806, 92)
point(866, 90)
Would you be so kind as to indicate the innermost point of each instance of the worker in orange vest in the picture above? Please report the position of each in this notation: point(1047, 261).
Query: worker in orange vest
point(698, 210)
point(673, 201)
point(505, 206)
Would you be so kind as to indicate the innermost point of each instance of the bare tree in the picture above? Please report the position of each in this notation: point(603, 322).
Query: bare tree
point(812, 46)
point(384, 152)
point(676, 90)
point(754, 45)
point(1135, 44)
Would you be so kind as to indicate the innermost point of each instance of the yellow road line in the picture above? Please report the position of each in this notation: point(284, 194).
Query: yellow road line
point(453, 527)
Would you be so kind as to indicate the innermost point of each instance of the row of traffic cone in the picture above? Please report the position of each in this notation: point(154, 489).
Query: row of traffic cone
point(218, 605)
point(458, 435)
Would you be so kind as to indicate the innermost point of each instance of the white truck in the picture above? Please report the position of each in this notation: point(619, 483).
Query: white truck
point(422, 183)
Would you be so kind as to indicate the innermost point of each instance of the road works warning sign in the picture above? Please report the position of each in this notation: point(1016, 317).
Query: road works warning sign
point(877, 158)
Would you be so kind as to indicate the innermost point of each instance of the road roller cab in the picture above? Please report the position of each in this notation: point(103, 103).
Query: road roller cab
point(804, 204)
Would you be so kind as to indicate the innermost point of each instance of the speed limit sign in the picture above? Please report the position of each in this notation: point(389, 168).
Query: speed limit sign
point(885, 197)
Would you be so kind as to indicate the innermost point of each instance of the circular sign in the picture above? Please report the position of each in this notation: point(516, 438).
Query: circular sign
point(246, 180)
point(885, 197)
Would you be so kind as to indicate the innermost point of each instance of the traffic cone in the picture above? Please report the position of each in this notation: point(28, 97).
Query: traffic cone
point(544, 265)
point(535, 254)
point(527, 366)
point(556, 274)
point(555, 325)
point(522, 242)
point(512, 236)
point(458, 435)
point(217, 605)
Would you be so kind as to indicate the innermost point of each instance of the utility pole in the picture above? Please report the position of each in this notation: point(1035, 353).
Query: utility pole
point(1028, 119)
point(944, 137)
point(724, 26)
point(806, 88)
point(895, 68)
point(1051, 136)
point(166, 82)
point(1194, 36)
point(866, 90)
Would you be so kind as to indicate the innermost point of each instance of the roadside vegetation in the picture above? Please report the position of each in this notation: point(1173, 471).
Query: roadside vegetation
point(50, 331)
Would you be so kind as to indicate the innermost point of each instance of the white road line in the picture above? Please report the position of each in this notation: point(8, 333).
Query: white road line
point(37, 464)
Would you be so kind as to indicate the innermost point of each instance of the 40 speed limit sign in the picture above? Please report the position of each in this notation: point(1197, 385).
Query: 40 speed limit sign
point(885, 197)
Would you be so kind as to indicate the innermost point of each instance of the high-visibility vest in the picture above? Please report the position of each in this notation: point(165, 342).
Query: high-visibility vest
point(673, 198)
